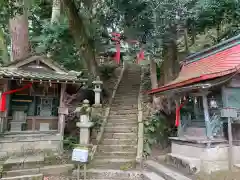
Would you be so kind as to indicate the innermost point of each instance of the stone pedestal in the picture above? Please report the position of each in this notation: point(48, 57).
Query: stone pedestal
point(97, 89)
point(97, 97)
point(84, 132)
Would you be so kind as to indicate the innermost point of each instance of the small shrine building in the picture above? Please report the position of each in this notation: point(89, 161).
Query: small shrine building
point(208, 82)
point(32, 105)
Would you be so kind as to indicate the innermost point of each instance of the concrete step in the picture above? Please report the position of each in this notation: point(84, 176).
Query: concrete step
point(25, 162)
point(152, 176)
point(196, 131)
point(114, 154)
point(188, 165)
point(110, 148)
point(105, 174)
point(46, 170)
point(25, 177)
point(122, 164)
point(121, 129)
point(164, 171)
point(120, 135)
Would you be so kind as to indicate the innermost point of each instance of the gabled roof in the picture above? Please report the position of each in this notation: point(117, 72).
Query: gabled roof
point(217, 61)
point(44, 59)
point(56, 73)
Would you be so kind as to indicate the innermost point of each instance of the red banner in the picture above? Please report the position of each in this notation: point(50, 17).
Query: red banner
point(3, 98)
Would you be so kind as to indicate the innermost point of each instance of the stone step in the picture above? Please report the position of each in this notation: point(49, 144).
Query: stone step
point(114, 154)
point(121, 129)
point(123, 107)
point(25, 162)
point(120, 135)
point(122, 164)
point(128, 96)
point(121, 111)
point(25, 177)
point(123, 116)
point(46, 170)
point(110, 148)
point(121, 123)
point(164, 171)
point(106, 174)
point(152, 176)
point(120, 119)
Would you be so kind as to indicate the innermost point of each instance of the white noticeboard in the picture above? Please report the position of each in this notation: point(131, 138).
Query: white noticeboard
point(229, 112)
point(80, 155)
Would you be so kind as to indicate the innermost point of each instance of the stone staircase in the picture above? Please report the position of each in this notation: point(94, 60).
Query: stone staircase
point(118, 148)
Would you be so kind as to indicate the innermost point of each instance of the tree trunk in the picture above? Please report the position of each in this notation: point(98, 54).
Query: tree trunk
point(3, 47)
point(19, 37)
point(170, 65)
point(186, 40)
point(56, 11)
point(18, 27)
point(85, 44)
point(153, 74)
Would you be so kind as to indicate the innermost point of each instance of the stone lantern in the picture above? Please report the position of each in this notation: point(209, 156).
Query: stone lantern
point(84, 122)
point(97, 89)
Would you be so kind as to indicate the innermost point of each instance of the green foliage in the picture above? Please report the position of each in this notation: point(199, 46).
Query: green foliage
point(70, 142)
point(56, 40)
point(157, 129)
point(107, 70)
point(97, 120)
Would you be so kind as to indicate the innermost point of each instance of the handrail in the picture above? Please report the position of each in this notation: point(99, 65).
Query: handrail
point(107, 112)
point(139, 157)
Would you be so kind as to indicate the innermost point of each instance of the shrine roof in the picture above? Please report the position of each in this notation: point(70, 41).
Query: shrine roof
point(217, 61)
point(57, 77)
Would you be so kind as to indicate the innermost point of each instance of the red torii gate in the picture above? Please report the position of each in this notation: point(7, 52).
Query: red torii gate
point(117, 39)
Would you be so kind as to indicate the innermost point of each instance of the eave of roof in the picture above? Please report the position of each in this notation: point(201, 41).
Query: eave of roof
point(13, 73)
point(213, 62)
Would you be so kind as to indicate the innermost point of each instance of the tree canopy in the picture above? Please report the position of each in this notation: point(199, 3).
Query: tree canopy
point(84, 27)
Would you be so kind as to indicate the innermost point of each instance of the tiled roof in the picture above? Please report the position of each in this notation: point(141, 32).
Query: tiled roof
point(222, 62)
point(71, 77)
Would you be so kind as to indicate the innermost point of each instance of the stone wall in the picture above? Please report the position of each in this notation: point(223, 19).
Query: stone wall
point(205, 158)
point(28, 143)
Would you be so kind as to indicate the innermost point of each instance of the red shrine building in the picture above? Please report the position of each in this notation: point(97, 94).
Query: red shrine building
point(208, 82)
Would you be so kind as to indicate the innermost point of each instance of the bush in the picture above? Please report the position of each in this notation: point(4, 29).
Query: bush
point(107, 71)
point(157, 129)
point(70, 142)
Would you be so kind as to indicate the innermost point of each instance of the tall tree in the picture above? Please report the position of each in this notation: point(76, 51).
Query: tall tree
point(81, 36)
point(56, 11)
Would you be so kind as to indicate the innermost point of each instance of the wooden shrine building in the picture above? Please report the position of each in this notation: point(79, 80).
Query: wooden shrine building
point(208, 81)
point(32, 103)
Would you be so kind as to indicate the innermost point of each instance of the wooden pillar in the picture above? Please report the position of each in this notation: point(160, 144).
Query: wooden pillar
point(61, 114)
point(206, 115)
point(4, 115)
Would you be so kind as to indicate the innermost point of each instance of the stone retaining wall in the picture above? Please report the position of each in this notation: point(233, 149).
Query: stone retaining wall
point(27, 143)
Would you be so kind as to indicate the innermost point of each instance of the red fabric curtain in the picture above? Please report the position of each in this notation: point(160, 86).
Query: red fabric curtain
point(178, 108)
point(140, 56)
point(3, 98)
